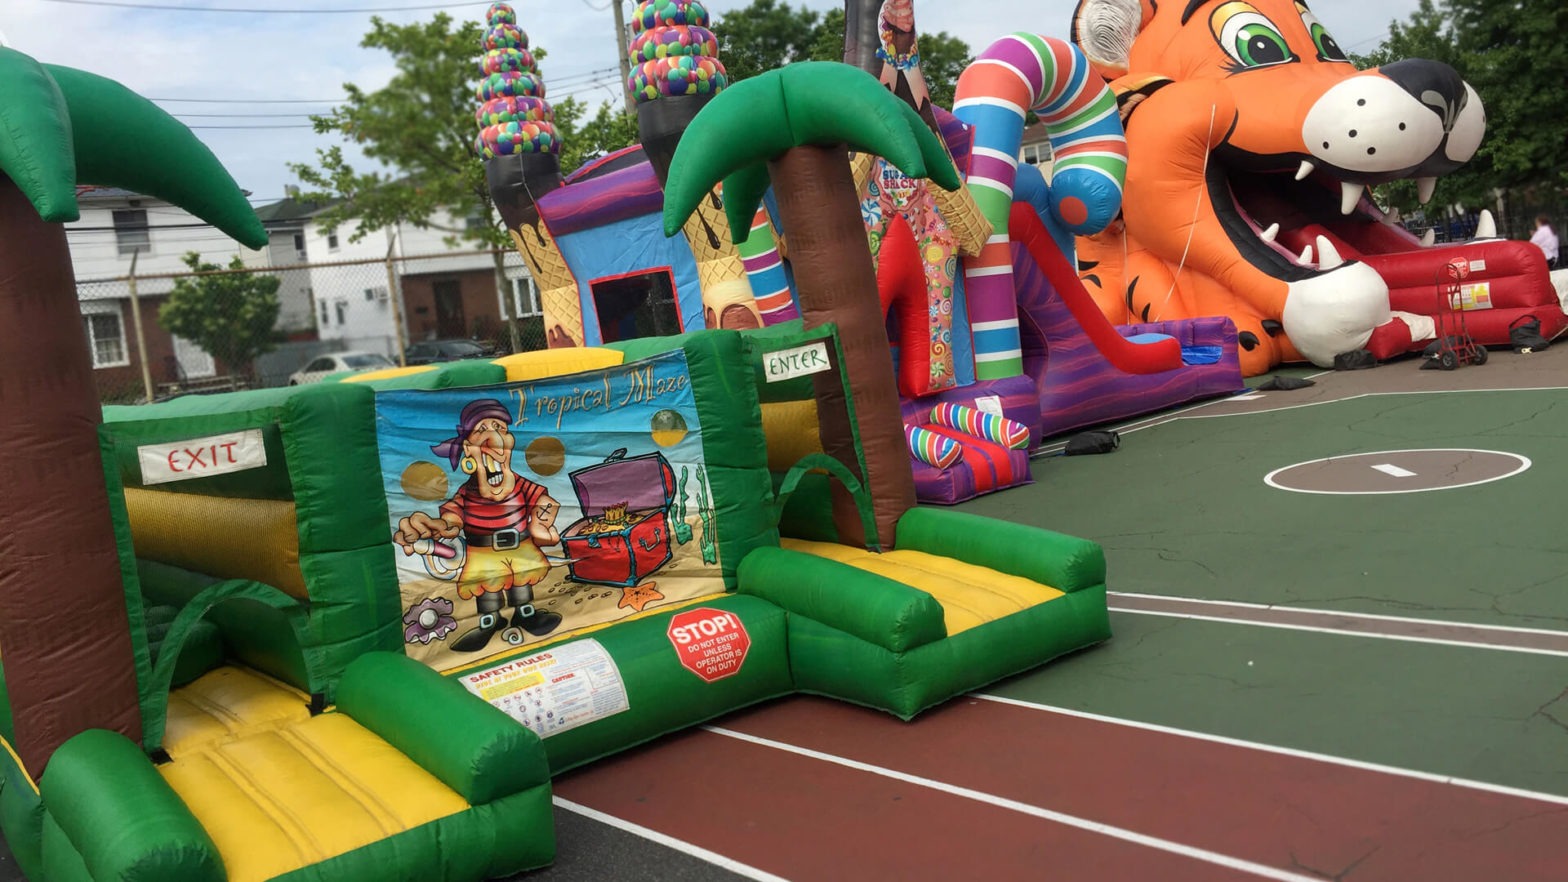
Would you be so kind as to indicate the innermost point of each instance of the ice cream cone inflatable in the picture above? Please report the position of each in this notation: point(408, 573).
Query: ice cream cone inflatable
point(675, 73)
point(521, 151)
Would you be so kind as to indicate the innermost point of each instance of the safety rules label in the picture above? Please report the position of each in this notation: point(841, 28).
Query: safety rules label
point(559, 689)
point(710, 643)
point(202, 457)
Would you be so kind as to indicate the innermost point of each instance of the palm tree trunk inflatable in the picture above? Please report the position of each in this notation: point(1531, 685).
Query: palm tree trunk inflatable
point(65, 619)
point(793, 128)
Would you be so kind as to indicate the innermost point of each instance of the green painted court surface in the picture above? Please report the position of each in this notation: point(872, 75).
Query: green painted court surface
point(1182, 511)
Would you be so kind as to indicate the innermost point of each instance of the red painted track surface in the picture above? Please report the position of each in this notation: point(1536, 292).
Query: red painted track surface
point(803, 817)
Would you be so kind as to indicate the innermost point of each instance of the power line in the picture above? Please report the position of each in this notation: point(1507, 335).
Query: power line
point(231, 99)
point(564, 79)
point(167, 7)
point(240, 115)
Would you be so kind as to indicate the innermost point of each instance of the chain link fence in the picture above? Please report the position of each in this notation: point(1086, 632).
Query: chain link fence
point(155, 337)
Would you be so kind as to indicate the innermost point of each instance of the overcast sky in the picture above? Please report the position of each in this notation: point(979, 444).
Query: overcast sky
point(243, 59)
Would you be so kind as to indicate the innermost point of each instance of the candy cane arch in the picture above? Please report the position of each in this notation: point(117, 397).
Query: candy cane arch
point(1015, 75)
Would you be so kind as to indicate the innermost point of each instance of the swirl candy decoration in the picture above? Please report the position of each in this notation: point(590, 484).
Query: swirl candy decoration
point(1018, 74)
point(673, 52)
point(971, 421)
point(513, 116)
point(931, 448)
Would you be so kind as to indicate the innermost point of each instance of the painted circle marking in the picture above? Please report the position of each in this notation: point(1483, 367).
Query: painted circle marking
point(1385, 472)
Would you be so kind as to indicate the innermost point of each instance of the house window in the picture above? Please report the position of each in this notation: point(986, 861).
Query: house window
point(105, 333)
point(342, 307)
point(130, 231)
point(332, 241)
point(525, 297)
point(474, 222)
point(326, 317)
point(299, 246)
point(370, 294)
point(1035, 154)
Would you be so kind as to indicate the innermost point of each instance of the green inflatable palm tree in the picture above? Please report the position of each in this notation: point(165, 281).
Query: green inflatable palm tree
point(71, 660)
point(793, 128)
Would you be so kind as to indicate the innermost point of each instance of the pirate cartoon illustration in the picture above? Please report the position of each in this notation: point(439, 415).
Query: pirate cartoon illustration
point(503, 519)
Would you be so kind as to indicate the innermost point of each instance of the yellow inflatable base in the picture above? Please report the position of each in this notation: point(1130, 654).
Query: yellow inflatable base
point(970, 595)
point(278, 789)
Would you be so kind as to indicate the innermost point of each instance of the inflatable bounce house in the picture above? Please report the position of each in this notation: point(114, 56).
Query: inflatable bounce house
point(997, 344)
point(1252, 140)
point(350, 630)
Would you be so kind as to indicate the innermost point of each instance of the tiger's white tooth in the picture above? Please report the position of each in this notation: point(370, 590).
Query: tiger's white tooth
point(1269, 234)
point(1392, 217)
point(1328, 255)
point(1429, 238)
point(1307, 168)
point(1424, 189)
point(1306, 256)
point(1349, 197)
point(1485, 226)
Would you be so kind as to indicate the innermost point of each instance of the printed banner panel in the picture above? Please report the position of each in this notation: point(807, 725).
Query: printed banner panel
point(524, 511)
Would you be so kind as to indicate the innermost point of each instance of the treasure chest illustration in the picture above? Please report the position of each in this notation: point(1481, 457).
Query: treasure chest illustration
point(624, 533)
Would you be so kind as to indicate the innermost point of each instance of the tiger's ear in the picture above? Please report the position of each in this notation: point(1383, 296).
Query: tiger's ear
point(1105, 29)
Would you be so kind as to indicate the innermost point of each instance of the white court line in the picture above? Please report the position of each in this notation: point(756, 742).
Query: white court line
point(1166, 845)
point(1466, 783)
point(1241, 604)
point(1394, 471)
point(1340, 632)
point(1186, 413)
point(1524, 465)
point(671, 842)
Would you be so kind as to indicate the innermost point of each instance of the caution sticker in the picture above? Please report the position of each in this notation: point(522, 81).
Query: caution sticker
point(559, 689)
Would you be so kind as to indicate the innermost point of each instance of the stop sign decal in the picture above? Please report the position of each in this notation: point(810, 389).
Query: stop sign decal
point(710, 643)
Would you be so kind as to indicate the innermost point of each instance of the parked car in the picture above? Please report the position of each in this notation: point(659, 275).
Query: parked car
point(318, 368)
point(432, 351)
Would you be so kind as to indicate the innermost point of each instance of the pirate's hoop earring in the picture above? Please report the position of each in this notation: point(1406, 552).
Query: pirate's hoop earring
point(468, 465)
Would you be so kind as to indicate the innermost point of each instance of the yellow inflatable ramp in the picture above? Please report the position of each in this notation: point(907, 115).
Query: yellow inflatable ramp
point(278, 789)
point(970, 595)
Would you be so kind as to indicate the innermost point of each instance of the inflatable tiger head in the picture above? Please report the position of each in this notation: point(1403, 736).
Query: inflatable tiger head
point(1243, 117)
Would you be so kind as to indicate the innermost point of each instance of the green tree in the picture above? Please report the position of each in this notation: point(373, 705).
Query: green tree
point(768, 34)
point(610, 129)
point(229, 315)
point(1515, 56)
point(421, 126)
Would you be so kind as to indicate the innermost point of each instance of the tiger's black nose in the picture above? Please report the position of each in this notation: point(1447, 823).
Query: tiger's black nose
point(1433, 83)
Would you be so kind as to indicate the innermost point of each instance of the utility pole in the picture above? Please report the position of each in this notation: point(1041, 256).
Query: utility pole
point(624, 50)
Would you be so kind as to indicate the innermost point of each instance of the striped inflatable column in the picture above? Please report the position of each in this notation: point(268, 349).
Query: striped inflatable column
point(765, 272)
point(1018, 74)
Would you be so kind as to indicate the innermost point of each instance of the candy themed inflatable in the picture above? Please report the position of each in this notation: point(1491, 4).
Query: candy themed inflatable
point(991, 328)
point(1252, 140)
point(973, 316)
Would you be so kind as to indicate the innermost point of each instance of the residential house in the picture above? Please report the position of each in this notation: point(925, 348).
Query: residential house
point(285, 222)
point(1035, 147)
point(443, 291)
point(116, 227)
